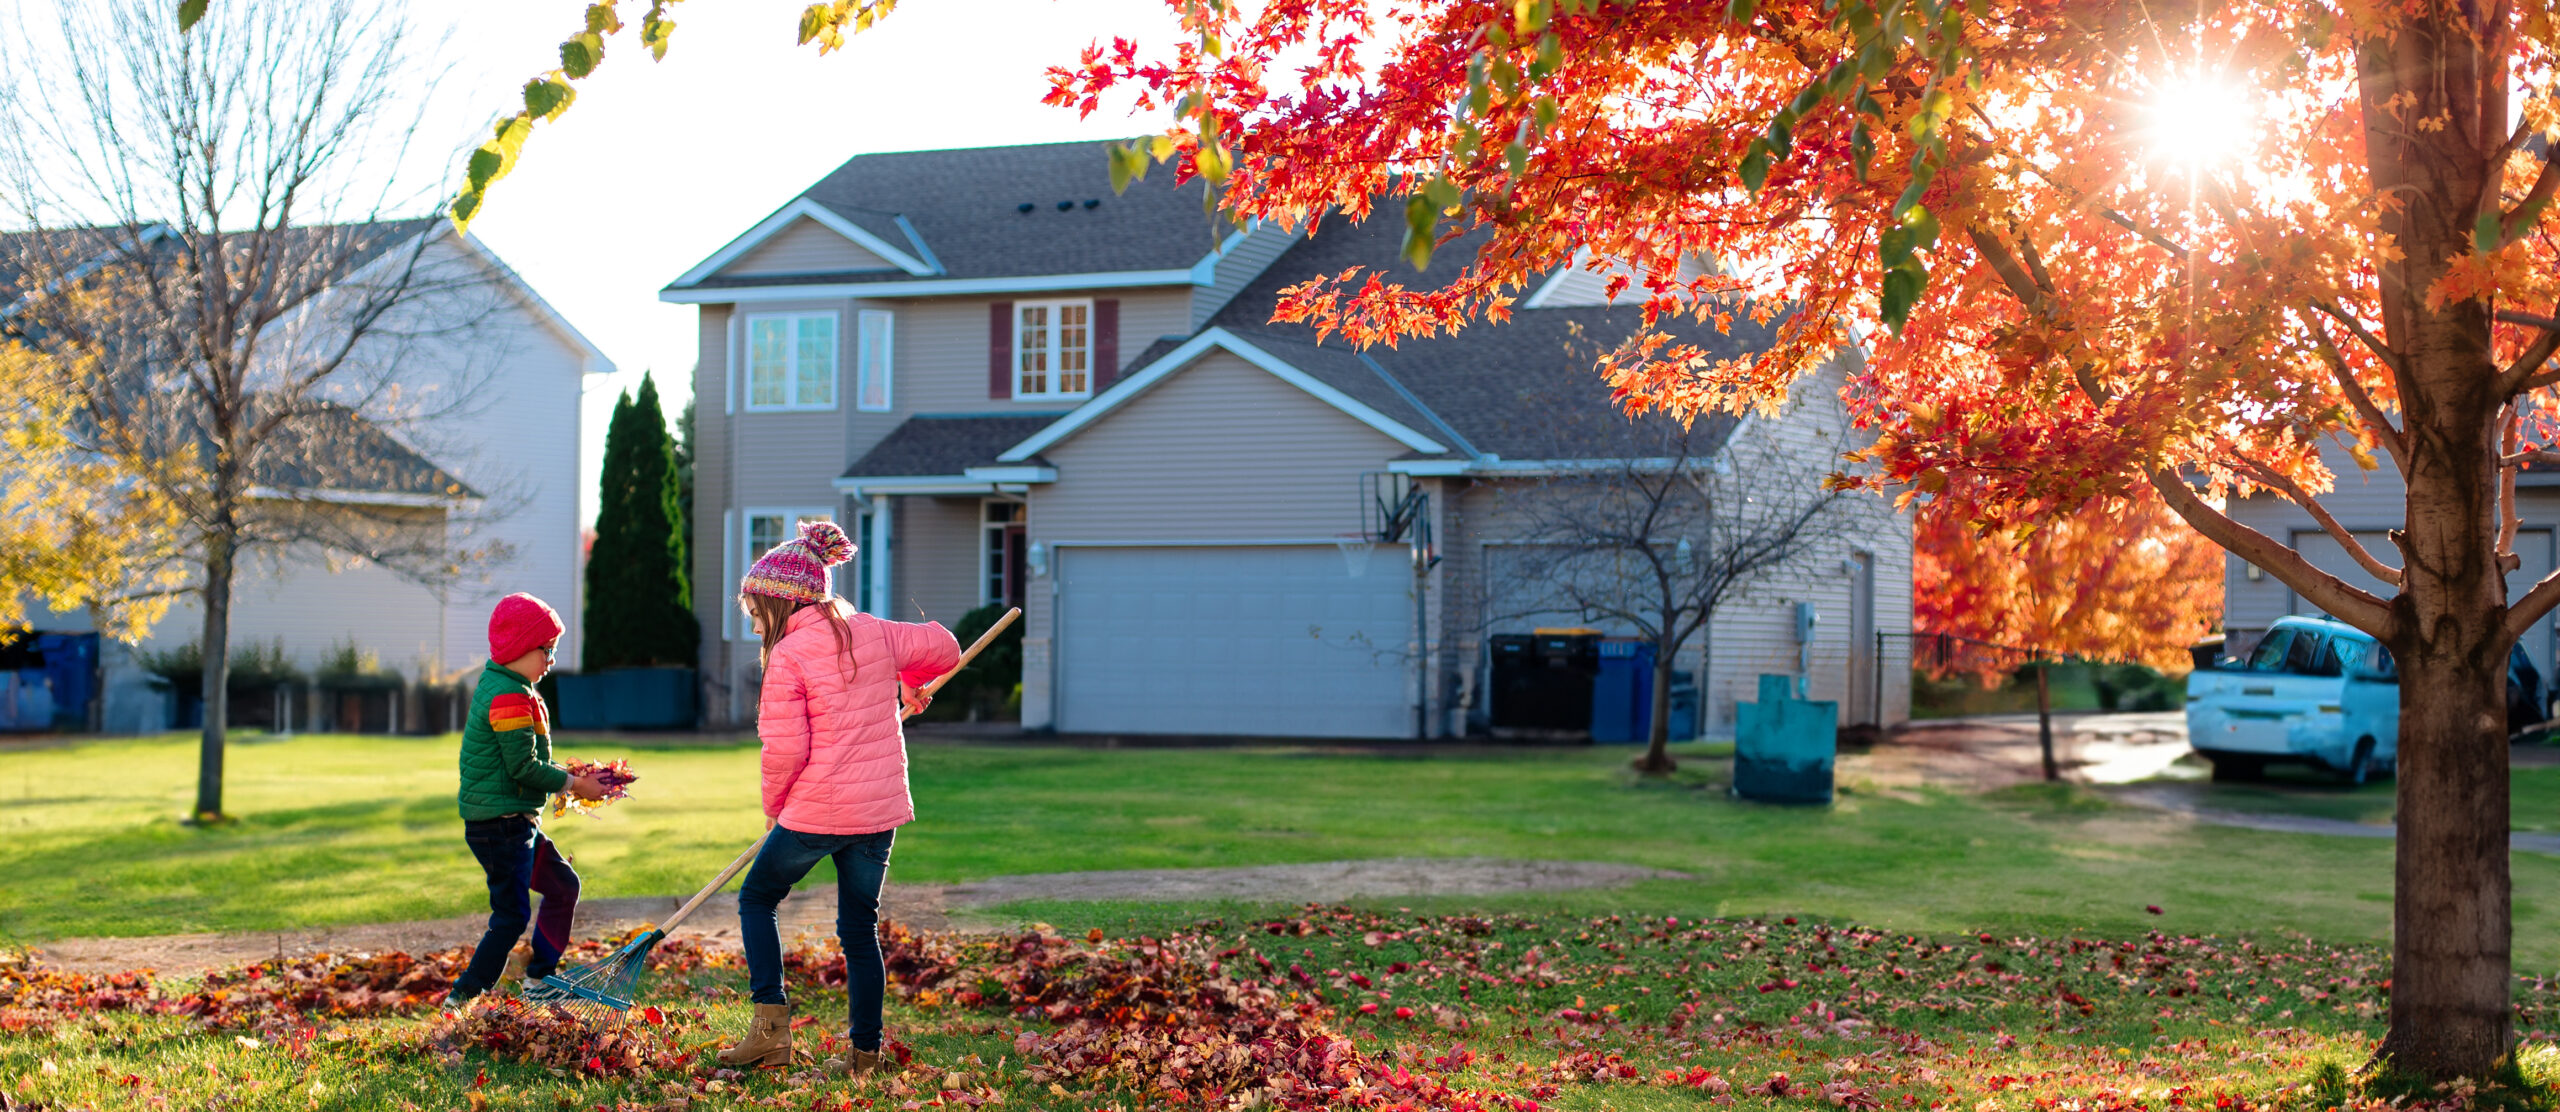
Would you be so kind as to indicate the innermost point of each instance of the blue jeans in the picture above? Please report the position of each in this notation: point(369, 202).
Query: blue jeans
point(862, 862)
point(519, 864)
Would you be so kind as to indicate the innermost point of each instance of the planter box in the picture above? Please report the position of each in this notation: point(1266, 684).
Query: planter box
point(627, 699)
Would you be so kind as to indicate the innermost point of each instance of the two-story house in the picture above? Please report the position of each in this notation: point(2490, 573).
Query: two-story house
point(1013, 385)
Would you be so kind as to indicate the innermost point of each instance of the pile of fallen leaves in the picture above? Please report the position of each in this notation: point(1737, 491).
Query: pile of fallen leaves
point(296, 991)
point(594, 1042)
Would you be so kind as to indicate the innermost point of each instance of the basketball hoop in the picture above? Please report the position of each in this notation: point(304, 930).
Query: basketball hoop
point(1355, 549)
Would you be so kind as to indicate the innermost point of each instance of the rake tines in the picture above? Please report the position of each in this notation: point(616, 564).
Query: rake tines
point(609, 983)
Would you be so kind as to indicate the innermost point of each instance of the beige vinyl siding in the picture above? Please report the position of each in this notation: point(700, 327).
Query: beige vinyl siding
point(1241, 263)
point(935, 544)
point(942, 353)
point(805, 247)
point(713, 525)
point(1220, 450)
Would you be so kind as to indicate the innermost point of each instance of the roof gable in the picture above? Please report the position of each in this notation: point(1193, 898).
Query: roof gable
point(1335, 383)
point(902, 251)
point(805, 246)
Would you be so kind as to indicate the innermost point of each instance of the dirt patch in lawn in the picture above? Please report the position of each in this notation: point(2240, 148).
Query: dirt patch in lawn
point(813, 909)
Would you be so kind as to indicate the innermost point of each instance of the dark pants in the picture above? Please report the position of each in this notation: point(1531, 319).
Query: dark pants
point(519, 862)
point(862, 862)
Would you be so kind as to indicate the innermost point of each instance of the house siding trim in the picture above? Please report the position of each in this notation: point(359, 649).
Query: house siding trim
point(825, 218)
point(1128, 389)
point(935, 287)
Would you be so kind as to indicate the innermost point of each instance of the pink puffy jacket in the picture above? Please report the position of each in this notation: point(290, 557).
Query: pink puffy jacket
point(835, 761)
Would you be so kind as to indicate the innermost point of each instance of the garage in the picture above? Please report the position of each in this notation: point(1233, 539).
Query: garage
point(1258, 640)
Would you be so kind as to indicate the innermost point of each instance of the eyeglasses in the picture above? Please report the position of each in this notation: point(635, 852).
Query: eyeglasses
point(549, 652)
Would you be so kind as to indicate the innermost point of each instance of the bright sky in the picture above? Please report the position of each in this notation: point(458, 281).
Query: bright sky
point(660, 164)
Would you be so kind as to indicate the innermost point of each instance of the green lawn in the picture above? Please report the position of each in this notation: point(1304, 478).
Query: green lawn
point(343, 829)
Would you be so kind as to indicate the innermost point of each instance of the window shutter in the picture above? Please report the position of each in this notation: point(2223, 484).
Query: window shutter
point(1000, 349)
point(1106, 343)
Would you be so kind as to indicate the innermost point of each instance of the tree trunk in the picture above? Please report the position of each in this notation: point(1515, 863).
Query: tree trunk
point(2447, 629)
point(2044, 724)
point(216, 648)
point(1657, 750)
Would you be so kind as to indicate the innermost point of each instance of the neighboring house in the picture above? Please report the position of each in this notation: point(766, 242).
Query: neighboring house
point(465, 426)
point(1015, 386)
point(2369, 504)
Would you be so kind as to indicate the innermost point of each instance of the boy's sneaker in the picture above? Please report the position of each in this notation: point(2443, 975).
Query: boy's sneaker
point(457, 1002)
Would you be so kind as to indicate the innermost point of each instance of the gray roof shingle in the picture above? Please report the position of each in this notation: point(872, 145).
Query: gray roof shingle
point(1521, 390)
point(946, 444)
point(966, 206)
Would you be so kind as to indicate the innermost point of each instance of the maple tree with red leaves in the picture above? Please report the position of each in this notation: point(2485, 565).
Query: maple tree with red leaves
point(2127, 583)
point(2096, 248)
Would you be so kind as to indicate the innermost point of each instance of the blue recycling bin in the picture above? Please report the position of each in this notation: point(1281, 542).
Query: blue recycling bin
point(1622, 695)
point(1783, 745)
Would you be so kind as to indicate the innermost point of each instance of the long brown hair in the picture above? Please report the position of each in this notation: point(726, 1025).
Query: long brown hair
point(776, 614)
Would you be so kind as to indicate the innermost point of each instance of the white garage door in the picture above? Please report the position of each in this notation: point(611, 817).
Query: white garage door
point(1273, 641)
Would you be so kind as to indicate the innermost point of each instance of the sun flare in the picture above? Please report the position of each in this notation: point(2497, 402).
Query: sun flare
point(2197, 122)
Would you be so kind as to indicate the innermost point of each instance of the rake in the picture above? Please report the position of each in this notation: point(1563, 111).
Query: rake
point(613, 981)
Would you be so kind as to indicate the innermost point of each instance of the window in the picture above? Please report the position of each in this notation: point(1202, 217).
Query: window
point(1002, 562)
point(1052, 349)
point(2269, 655)
point(791, 361)
point(871, 360)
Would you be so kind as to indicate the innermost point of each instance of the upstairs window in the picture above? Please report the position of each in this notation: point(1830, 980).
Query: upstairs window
point(1053, 349)
point(871, 359)
point(791, 361)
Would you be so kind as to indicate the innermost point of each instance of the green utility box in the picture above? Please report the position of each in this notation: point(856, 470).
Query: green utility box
point(1783, 745)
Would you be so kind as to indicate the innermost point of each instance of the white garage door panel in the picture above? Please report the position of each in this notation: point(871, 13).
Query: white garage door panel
point(1279, 641)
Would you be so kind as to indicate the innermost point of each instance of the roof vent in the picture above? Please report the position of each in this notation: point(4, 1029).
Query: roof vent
point(1024, 207)
point(1065, 205)
point(1093, 203)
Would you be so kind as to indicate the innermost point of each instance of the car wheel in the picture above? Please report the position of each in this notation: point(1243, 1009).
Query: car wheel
point(2360, 765)
point(2234, 769)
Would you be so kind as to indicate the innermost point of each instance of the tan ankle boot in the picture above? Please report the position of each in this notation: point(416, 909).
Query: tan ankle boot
point(855, 1063)
point(768, 1041)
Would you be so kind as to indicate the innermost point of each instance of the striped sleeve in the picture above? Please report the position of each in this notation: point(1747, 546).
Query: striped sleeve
point(512, 712)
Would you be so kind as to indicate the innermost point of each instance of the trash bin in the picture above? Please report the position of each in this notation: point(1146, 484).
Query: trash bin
point(1542, 681)
point(1783, 745)
point(1622, 693)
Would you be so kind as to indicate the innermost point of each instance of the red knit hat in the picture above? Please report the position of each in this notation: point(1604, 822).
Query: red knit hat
point(521, 624)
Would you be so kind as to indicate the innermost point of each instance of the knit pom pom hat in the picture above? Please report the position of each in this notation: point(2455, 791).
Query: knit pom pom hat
point(797, 569)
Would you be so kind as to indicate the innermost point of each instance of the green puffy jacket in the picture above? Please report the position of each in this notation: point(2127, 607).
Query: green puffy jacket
point(506, 749)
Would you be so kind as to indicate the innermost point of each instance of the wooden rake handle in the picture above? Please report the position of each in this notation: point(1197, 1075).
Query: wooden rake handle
point(721, 881)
